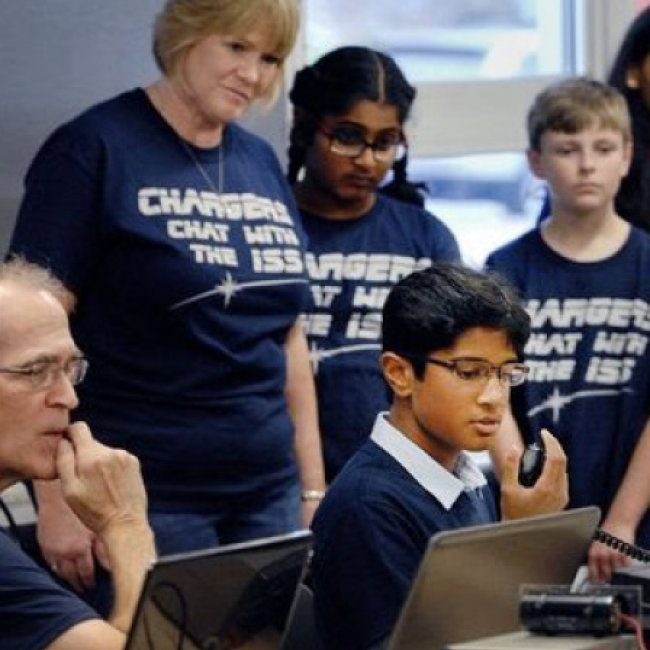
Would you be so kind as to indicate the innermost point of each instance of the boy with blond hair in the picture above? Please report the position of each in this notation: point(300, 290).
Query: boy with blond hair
point(584, 274)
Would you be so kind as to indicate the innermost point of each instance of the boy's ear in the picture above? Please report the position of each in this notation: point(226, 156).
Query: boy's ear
point(398, 373)
point(535, 163)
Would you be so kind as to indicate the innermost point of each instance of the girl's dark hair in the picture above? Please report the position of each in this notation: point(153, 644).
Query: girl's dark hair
point(332, 86)
point(633, 199)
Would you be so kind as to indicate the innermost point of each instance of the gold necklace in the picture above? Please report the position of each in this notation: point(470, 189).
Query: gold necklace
point(201, 169)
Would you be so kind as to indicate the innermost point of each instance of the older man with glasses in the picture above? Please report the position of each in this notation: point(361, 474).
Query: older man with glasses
point(39, 367)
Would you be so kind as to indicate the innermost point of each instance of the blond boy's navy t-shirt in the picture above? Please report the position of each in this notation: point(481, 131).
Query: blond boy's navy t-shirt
point(589, 358)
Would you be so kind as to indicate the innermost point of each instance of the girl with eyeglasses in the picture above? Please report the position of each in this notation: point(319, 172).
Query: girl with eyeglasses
point(347, 139)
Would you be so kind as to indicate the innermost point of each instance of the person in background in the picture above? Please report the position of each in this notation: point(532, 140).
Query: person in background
point(584, 275)
point(630, 74)
point(40, 365)
point(452, 343)
point(176, 236)
point(349, 113)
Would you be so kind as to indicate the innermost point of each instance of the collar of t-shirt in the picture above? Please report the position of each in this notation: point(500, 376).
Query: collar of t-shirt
point(445, 486)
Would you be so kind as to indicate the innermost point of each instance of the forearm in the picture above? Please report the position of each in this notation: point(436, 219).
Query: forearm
point(131, 551)
point(633, 496)
point(65, 543)
point(301, 399)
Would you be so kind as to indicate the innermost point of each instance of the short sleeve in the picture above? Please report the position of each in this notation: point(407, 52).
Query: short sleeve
point(34, 609)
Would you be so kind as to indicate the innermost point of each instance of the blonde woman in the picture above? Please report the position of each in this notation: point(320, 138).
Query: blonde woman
point(176, 237)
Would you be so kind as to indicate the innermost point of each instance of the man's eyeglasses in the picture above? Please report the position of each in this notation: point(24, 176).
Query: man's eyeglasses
point(479, 370)
point(350, 141)
point(44, 373)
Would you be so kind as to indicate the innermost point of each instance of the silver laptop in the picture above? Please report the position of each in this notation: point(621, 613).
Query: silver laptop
point(467, 585)
point(238, 596)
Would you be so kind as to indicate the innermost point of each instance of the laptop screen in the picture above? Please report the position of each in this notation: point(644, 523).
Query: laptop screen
point(467, 585)
point(230, 597)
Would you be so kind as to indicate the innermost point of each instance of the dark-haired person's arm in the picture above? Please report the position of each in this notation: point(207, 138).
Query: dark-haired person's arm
point(630, 504)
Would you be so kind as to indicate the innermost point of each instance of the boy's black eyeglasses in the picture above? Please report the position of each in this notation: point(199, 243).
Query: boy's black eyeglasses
point(350, 141)
point(44, 373)
point(475, 370)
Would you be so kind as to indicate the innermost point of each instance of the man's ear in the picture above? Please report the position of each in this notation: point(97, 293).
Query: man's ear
point(398, 373)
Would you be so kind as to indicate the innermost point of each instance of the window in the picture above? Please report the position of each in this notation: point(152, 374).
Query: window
point(477, 65)
point(447, 41)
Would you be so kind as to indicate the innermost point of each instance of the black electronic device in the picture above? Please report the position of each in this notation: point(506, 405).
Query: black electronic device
point(557, 612)
point(598, 610)
point(636, 575)
point(531, 464)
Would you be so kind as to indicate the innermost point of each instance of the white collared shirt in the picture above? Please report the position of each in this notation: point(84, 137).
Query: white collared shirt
point(445, 486)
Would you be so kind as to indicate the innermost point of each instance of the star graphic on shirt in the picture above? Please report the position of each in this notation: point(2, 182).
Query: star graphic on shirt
point(229, 287)
point(556, 401)
point(316, 354)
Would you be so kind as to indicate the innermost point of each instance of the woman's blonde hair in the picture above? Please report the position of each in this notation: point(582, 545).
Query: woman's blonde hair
point(183, 23)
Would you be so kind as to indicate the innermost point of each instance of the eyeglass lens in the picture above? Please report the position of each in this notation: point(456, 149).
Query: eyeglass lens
point(45, 373)
point(510, 374)
point(350, 141)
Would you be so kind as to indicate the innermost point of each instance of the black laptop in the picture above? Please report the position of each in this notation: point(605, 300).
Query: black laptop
point(238, 596)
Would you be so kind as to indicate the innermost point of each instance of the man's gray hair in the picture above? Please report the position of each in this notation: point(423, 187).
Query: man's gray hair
point(18, 271)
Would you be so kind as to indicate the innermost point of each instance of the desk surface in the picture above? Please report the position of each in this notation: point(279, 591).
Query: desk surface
point(528, 641)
